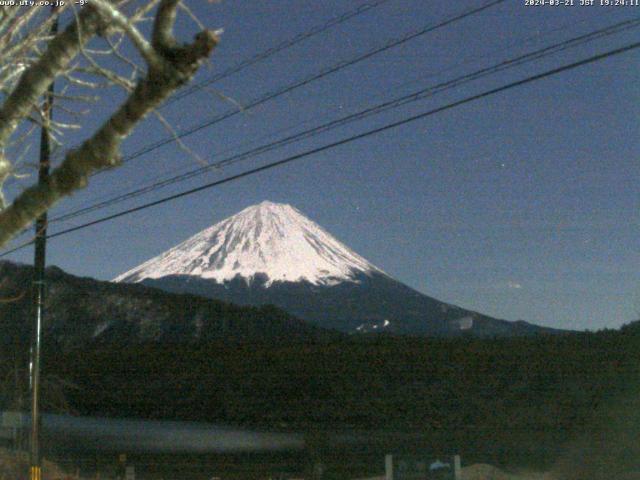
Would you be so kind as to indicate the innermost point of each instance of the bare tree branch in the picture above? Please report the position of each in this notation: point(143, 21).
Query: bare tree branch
point(170, 66)
point(37, 78)
point(117, 18)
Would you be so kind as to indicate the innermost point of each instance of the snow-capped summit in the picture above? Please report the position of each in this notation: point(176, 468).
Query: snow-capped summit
point(271, 254)
point(269, 239)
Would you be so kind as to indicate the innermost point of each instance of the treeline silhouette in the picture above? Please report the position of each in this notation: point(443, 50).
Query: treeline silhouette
point(519, 401)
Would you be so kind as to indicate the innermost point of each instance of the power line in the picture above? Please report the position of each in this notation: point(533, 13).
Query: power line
point(104, 199)
point(412, 97)
point(276, 49)
point(352, 138)
point(300, 83)
point(323, 73)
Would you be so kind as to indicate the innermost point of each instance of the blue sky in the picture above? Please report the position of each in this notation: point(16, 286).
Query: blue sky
point(522, 205)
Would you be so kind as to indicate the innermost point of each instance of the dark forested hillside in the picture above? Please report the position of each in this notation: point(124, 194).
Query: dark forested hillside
point(524, 400)
point(84, 311)
point(538, 400)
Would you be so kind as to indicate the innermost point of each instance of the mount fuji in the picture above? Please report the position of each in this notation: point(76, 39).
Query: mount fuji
point(272, 254)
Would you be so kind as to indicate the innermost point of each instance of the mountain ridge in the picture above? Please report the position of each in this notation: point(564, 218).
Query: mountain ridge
point(272, 254)
point(372, 304)
point(81, 312)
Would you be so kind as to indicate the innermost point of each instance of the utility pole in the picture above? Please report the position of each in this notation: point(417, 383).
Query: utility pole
point(35, 470)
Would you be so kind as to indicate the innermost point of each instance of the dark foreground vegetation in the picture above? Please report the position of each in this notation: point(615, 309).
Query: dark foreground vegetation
point(541, 402)
point(569, 402)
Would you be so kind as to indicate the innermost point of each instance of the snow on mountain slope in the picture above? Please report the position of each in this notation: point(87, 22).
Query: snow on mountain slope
point(272, 239)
